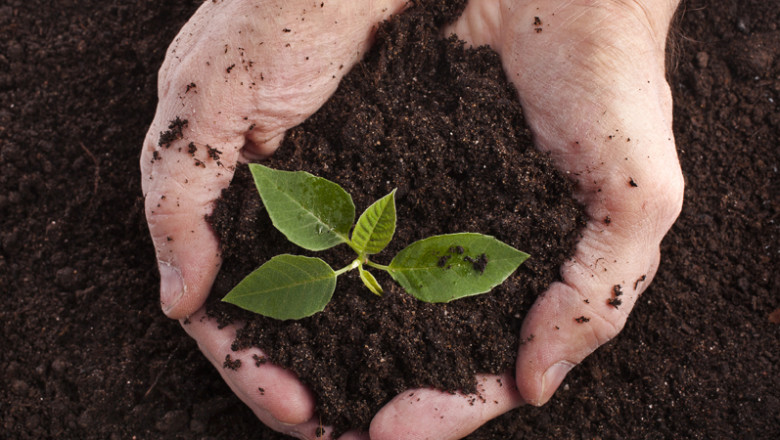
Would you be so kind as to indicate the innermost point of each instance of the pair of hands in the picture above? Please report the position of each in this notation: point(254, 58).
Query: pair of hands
point(592, 85)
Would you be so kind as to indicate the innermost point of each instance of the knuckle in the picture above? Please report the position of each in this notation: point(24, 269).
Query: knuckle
point(604, 328)
point(655, 203)
point(669, 195)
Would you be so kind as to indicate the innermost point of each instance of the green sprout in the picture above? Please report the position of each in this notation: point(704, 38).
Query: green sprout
point(317, 214)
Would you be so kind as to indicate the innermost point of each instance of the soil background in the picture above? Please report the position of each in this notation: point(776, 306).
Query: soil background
point(87, 353)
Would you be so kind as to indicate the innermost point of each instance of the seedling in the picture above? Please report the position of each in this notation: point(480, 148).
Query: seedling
point(317, 214)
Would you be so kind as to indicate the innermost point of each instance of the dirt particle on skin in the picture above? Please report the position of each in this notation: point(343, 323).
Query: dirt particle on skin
point(632, 182)
point(617, 290)
point(259, 360)
point(230, 68)
point(582, 320)
point(262, 391)
point(213, 152)
point(190, 86)
point(192, 148)
point(537, 25)
point(615, 302)
point(175, 132)
point(639, 280)
point(607, 220)
point(231, 364)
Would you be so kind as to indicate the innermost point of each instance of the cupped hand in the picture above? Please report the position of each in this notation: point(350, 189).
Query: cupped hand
point(591, 78)
point(237, 76)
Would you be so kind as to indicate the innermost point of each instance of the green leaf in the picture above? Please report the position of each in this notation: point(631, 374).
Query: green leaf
point(447, 267)
point(312, 212)
point(286, 287)
point(376, 226)
point(370, 281)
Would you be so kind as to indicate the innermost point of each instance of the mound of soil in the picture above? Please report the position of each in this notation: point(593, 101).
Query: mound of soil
point(87, 353)
point(444, 126)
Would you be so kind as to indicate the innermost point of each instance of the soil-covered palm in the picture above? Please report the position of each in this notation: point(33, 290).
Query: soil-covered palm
point(590, 76)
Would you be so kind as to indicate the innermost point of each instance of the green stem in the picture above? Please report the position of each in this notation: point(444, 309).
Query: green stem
point(351, 244)
point(377, 266)
point(349, 267)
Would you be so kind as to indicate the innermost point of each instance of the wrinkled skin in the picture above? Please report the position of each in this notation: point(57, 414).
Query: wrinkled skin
point(594, 93)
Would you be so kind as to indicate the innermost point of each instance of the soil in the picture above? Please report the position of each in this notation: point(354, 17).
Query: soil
point(88, 354)
point(443, 125)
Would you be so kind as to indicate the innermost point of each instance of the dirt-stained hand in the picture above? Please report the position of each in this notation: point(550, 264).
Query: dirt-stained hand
point(591, 79)
point(237, 76)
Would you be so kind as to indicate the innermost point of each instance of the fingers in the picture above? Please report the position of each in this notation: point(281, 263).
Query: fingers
point(429, 414)
point(184, 168)
point(614, 262)
point(274, 394)
point(479, 24)
point(574, 317)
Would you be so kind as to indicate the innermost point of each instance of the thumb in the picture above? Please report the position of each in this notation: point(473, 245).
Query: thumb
point(615, 260)
point(184, 168)
point(568, 322)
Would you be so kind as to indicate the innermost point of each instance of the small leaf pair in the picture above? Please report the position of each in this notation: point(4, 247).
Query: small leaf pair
point(317, 214)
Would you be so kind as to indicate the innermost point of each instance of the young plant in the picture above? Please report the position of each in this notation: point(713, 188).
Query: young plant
point(317, 214)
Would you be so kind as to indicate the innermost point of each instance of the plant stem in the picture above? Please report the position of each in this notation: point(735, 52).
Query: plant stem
point(377, 266)
point(351, 245)
point(349, 267)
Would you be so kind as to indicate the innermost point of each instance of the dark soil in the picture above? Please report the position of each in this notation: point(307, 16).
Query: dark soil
point(443, 125)
point(87, 353)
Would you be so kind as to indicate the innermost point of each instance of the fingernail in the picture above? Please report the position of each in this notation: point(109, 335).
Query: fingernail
point(552, 379)
point(171, 286)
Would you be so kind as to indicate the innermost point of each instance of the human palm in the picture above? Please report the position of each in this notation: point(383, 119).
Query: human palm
point(590, 76)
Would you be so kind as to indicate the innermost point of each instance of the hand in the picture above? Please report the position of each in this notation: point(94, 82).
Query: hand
point(236, 77)
point(591, 79)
